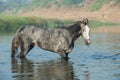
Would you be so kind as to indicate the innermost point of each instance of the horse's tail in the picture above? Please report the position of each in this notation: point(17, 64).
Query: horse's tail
point(15, 44)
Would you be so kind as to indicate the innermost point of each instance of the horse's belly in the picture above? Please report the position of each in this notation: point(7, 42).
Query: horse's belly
point(47, 45)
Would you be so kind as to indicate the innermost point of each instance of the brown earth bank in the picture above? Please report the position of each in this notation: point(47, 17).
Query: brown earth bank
point(106, 29)
point(76, 14)
point(106, 13)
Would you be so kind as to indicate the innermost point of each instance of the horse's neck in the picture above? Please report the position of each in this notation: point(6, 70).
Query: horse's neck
point(75, 31)
point(74, 28)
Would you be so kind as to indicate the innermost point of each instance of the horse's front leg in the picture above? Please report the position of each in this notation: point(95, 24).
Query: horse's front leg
point(66, 56)
point(23, 52)
point(63, 54)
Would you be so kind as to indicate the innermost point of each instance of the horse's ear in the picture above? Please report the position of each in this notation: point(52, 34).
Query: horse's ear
point(85, 21)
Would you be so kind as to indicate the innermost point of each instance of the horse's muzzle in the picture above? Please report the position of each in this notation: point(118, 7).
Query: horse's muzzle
point(87, 42)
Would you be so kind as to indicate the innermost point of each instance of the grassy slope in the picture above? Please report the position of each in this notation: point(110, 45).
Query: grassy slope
point(98, 4)
point(32, 4)
point(58, 3)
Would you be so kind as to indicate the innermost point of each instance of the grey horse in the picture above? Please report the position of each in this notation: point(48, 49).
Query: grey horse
point(59, 40)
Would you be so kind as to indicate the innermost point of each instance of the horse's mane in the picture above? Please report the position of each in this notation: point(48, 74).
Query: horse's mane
point(74, 27)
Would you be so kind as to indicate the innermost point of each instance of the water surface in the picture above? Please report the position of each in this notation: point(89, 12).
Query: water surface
point(99, 62)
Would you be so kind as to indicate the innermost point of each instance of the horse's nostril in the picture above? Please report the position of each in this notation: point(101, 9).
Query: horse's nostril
point(88, 42)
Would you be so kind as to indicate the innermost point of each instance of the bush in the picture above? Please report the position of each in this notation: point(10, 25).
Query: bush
point(12, 23)
point(98, 4)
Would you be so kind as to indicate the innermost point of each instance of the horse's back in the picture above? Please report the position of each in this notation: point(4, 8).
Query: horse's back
point(50, 39)
point(26, 29)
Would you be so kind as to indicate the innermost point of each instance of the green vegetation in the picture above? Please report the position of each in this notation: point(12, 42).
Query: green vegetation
point(58, 3)
point(10, 24)
point(98, 4)
point(26, 5)
point(96, 23)
point(117, 1)
point(70, 3)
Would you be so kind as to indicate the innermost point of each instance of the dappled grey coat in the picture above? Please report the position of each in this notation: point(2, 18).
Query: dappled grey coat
point(60, 40)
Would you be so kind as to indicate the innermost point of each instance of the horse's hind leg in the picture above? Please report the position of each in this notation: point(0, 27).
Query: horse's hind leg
point(25, 48)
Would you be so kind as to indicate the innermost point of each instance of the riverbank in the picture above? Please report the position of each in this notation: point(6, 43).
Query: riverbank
point(10, 24)
point(104, 29)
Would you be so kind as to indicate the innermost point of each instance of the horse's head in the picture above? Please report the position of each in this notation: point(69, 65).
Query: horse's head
point(85, 31)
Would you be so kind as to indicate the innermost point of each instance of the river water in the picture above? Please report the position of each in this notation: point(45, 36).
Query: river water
point(99, 62)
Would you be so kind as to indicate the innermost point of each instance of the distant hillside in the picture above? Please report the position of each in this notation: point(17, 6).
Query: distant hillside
point(64, 9)
point(15, 5)
point(57, 3)
point(27, 5)
point(12, 4)
point(100, 3)
point(32, 4)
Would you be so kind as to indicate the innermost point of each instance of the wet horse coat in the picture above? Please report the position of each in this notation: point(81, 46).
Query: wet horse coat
point(60, 40)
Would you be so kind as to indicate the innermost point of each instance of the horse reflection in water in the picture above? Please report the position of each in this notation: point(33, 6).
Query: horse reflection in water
point(59, 40)
point(24, 69)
